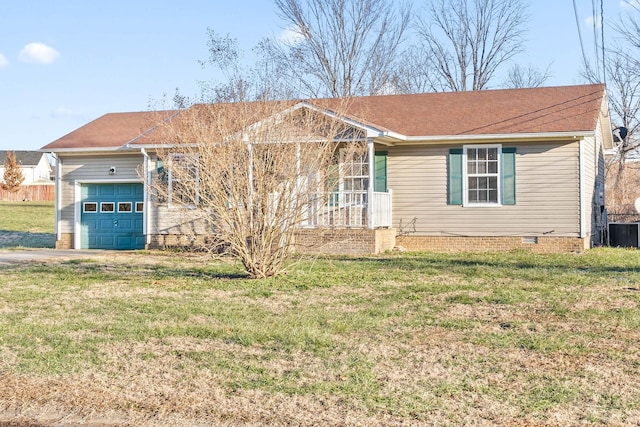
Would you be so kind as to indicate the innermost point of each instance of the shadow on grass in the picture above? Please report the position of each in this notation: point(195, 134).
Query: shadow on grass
point(156, 272)
point(25, 239)
point(616, 260)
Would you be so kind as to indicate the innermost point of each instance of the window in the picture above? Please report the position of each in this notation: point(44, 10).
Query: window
point(348, 177)
point(482, 170)
point(124, 207)
point(90, 207)
point(139, 207)
point(107, 207)
point(183, 177)
point(354, 171)
point(482, 175)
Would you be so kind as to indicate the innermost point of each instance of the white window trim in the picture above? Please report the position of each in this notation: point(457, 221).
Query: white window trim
point(343, 178)
point(113, 210)
point(125, 211)
point(465, 178)
point(84, 207)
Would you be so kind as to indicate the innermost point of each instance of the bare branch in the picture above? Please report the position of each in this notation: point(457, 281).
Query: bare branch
point(342, 47)
point(468, 40)
point(521, 77)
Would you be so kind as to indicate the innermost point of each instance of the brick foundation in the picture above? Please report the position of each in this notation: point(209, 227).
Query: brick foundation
point(65, 242)
point(165, 241)
point(543, 244)
point(363, 241)
point(354, 241)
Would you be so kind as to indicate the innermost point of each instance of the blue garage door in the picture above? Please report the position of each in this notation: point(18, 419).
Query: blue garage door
point(111, 216)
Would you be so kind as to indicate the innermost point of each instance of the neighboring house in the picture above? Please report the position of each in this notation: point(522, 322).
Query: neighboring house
point(34, 165)
point(485, 170)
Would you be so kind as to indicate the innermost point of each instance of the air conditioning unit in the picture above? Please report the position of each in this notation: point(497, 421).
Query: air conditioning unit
point(624, 234)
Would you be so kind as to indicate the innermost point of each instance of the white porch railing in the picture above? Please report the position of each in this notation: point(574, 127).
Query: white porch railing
point(381, 209)
point(348, 209)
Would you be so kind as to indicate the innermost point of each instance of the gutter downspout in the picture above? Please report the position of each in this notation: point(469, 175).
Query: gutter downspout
point(581, 186)
point(145, 197)
point(58, 202)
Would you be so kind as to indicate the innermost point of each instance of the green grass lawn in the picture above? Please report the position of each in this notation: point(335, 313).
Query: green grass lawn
point(27, 225)
point(414, 339)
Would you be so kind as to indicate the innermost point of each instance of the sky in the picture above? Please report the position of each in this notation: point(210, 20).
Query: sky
point(64, 63)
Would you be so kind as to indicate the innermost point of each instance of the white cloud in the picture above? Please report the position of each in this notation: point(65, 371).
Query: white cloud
point(290, 36)
point(38, 53)
point(62, 112)
point(597, 19)
point(3, 61)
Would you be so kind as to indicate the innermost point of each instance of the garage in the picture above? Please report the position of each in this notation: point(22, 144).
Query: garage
point(112, 216)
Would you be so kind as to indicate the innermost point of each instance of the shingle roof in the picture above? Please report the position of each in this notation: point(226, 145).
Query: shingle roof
point(507, 111)
point(111, 130)
point(24, 158)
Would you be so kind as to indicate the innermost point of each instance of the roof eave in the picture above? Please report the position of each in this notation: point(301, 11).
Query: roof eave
point(507, 137)
point(80, 150)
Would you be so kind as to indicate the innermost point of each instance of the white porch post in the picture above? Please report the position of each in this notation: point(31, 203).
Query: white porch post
point(250, 183)
point(58, 196)
point(371, 160)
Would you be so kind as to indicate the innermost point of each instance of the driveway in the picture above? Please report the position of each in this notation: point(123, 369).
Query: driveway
point(8, 257)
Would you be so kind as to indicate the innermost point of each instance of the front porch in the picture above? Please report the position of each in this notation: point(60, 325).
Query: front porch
point(349, 209)
point(356, 217)
point(354, 191)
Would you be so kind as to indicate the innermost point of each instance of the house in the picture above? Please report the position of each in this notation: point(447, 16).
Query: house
point(485, 170)
point(34, 165)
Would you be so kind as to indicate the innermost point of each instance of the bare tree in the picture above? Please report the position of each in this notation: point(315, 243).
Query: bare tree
point(628, 25)
point(413, 73)
point(620, 69)
point(225, 56)
point(523, 77)
point(624, 99)
point(468, 40)
point(623, 176)
point(338, 48)
point(250, 171)
point(13, 176)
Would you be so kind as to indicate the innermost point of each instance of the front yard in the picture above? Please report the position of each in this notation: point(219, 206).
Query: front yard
point(414, 339)
point(27, 225)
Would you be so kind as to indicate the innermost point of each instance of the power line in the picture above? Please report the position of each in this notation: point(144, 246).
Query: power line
point(584, 55)
point(594, 22)
point(604, 68)
point(598, 41)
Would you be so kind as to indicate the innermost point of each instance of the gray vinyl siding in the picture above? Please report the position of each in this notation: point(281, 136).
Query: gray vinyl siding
point(547, 194)
point(94, 168)
point(173, 219)
point(165, 219)
point(594, 176)
point(589, 175)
